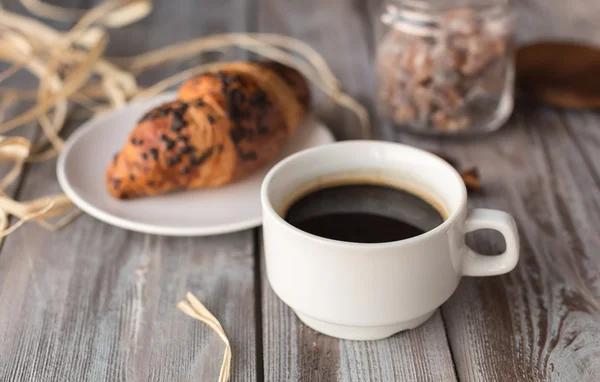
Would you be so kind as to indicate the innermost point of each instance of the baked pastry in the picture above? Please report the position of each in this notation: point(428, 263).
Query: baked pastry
point(224, 126)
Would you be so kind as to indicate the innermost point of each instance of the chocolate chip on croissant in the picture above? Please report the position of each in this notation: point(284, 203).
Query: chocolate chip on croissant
point(224, 126)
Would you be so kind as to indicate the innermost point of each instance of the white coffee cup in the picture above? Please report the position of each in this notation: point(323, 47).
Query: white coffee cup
point(371, 291)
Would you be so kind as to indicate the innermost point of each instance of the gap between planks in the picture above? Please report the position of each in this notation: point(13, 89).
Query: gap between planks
point(258, 314)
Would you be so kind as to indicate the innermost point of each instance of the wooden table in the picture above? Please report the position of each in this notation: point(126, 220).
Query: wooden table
point(95, 302)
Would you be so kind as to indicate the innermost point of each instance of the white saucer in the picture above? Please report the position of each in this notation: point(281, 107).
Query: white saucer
point(234, 207)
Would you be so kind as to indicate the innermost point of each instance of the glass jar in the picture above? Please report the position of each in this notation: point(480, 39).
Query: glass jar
point(447, 66)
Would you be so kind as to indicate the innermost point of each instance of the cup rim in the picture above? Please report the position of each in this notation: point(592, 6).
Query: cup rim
point(268, 207)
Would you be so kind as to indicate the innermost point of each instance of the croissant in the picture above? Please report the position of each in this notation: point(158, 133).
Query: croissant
point(223, 126)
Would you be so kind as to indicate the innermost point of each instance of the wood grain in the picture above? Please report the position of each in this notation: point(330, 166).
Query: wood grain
point(97, 303)
point(583, 128)
point(540, 321)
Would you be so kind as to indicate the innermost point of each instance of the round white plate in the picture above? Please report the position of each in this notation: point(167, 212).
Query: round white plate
point(233, 207)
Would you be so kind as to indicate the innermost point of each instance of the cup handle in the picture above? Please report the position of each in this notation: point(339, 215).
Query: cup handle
point(476, 264)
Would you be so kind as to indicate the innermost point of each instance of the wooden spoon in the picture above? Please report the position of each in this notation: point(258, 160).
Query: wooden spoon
point(562, 74)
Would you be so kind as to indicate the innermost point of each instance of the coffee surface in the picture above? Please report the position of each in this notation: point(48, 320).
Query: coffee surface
point(363, 213)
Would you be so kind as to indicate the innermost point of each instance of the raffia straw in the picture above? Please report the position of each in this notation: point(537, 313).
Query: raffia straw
point(25, 218)
point(195, 309)
point(49, 38)
point(13, 149)
point(38, 210)
point(17, 149)
point(50, 11)
point(75, 80)
point(8, 99)
point(126, 15)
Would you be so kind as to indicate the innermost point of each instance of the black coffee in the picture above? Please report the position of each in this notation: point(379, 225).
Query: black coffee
point(363, 213)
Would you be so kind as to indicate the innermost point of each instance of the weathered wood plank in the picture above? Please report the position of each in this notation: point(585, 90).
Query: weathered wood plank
point(583, 127)
point(542, 320)
point(94, 302)
point(341, 31)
